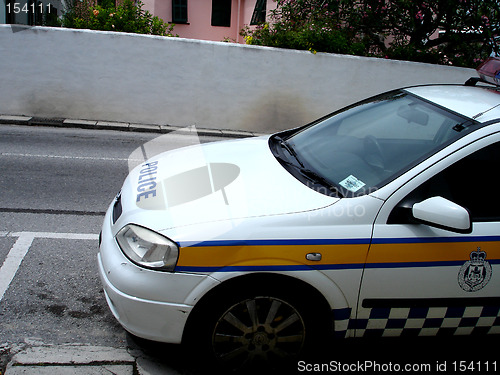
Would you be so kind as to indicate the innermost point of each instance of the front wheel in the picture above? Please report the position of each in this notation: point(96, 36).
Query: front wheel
point(258, 330)
point(259, 323)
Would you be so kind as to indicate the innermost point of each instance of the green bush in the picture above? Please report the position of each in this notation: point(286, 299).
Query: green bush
point(125, 17)
point(310, 37)
point(452, 32)
point(313, 25)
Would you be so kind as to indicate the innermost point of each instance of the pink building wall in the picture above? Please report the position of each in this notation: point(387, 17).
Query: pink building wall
point(199, 18)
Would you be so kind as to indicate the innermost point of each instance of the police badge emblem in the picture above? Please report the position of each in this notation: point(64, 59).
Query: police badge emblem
point(475, 273)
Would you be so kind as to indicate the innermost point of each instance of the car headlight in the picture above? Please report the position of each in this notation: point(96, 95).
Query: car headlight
point(147, 248)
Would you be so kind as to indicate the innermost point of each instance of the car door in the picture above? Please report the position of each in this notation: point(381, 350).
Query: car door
point(429, 279)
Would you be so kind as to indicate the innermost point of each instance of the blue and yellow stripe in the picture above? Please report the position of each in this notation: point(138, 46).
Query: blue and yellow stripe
point(337, 254)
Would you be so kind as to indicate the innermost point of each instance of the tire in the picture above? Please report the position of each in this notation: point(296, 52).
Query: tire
point(257, 329)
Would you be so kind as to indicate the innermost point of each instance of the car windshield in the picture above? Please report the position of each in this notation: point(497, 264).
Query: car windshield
point(360, 149)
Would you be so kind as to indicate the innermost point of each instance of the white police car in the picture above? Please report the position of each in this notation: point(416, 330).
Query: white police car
point(382, 219)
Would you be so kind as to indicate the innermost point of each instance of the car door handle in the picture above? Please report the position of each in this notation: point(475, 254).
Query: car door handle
point(314, 256)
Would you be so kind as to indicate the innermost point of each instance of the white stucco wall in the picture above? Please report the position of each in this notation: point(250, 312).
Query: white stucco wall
point(52, 72)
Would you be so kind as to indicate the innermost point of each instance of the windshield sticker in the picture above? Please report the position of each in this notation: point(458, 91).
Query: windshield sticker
point(351, 183)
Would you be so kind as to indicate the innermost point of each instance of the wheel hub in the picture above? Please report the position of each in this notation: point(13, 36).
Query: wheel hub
point(260, 339)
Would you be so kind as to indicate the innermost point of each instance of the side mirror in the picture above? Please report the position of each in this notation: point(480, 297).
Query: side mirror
point(442, 213)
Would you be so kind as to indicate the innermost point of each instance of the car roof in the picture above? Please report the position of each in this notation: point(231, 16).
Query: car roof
point(478, 102)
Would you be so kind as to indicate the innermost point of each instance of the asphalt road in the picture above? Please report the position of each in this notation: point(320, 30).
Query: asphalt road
point(55, 185)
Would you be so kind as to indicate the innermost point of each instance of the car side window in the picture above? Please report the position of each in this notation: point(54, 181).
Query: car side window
point(470, 182)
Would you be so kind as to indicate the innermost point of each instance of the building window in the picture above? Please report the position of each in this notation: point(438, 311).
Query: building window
point(259, 12)
point(221, 13)
point(179, 11)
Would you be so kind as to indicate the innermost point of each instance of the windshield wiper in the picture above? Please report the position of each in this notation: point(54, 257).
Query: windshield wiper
point(291, 151)
point(307, 173)
point(315, 177)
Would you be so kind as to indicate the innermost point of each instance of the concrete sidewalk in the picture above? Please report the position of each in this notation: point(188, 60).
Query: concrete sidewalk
point(120, 126)
point(76, 359)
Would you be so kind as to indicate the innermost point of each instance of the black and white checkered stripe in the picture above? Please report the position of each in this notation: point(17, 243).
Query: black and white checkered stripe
point(427, 321)
point(418, 321)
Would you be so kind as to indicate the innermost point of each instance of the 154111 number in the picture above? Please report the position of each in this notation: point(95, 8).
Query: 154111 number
point(17, 8)
point(474, 366)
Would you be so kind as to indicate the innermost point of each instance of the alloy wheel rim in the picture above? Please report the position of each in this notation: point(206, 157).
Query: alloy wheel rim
point(258, 330)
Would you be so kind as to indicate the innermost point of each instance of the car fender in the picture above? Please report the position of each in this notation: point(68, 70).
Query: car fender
point(328, 289)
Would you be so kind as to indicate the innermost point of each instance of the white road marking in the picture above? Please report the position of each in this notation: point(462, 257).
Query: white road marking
point(63, 157)
point(20, 249)
point(64, 236)
point(13, 261)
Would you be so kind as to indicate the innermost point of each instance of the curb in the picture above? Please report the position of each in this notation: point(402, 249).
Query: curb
point(121, 126)
point(79, 359)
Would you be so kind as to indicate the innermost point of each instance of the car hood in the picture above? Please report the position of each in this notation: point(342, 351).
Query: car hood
point(220, 181)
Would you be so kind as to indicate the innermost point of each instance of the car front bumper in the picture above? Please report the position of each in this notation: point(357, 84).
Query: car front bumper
point(152, 320)
point(150, 304)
